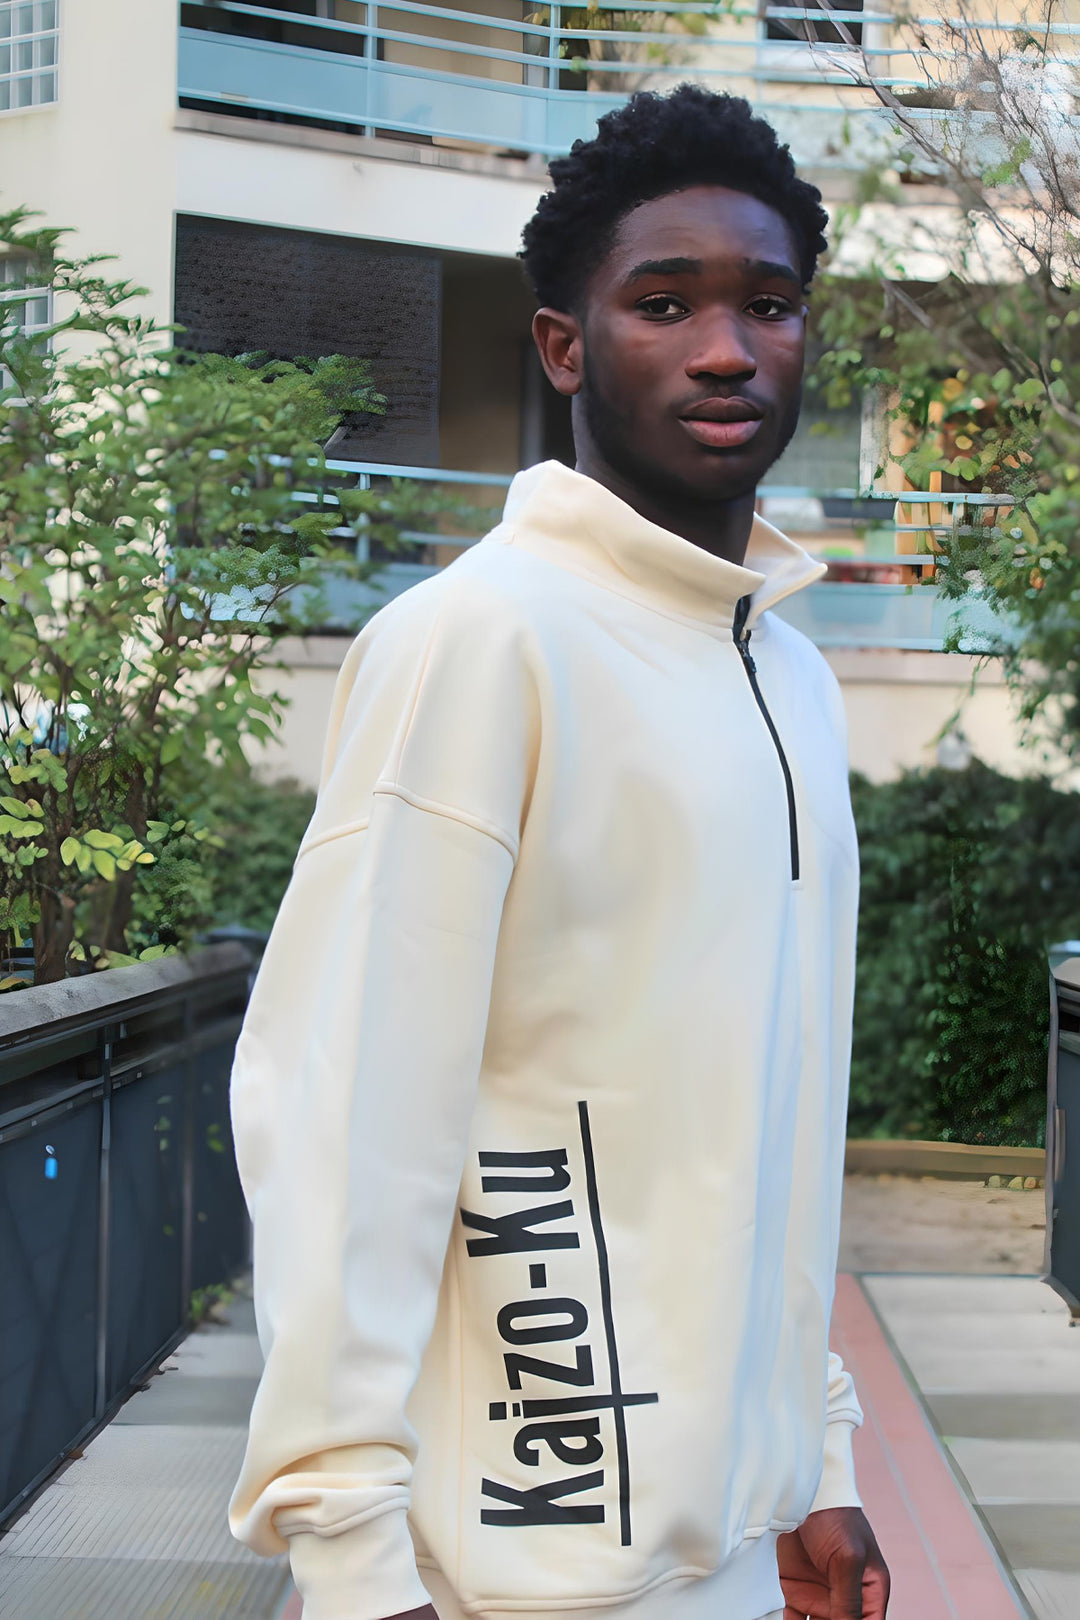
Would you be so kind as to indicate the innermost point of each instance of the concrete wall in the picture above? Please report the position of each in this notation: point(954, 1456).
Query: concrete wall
point(101, 159)
point(314, 180)
point(896, 703)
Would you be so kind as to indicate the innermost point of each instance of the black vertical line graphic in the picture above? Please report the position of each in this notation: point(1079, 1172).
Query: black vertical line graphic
point(618, 1413)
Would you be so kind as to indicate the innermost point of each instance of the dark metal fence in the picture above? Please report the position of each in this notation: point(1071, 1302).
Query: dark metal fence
point(119, 1195)
point(1063, 1137)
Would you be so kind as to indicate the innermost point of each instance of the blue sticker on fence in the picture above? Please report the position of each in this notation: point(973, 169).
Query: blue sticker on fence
point(52, 1167)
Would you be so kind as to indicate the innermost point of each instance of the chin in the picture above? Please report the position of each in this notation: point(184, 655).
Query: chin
point(725, 480)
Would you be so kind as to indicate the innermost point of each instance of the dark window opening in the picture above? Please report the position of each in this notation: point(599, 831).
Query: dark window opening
point(808, 30)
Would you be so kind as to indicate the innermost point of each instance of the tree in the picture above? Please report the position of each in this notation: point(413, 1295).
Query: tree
point(154, 550)
point(982, 368)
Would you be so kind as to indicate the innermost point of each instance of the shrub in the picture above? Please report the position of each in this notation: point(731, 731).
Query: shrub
point(967, 877)
point(237, 875)
point(165, 520)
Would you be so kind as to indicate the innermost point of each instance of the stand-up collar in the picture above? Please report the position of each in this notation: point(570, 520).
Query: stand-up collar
point(575, 521)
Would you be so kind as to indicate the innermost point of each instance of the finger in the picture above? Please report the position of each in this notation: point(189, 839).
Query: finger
point(806, 1597)
point(846, 1588)
point(876, 1587)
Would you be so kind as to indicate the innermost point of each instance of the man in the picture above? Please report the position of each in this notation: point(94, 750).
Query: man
point(540, 1101)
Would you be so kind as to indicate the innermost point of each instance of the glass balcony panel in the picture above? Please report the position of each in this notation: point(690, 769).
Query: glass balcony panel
point(284, 78)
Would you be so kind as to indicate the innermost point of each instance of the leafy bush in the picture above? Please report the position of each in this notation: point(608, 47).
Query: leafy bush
point(237, 874)
point(260, 829)
point(166, 519)
point(967, 877)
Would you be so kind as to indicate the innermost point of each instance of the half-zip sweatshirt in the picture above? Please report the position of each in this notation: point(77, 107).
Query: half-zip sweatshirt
point(539, 1103)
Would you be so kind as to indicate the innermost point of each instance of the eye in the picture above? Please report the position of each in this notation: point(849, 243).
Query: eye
point(770, 306)
point(662, 306)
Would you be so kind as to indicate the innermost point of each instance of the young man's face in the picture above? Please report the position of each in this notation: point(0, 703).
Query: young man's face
point(689, 360)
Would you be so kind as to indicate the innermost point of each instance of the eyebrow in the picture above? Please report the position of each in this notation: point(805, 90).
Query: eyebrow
point(772, 269)
point(666, 267)
point(767, 269)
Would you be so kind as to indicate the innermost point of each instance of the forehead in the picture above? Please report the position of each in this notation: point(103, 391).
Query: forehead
point(712, 223)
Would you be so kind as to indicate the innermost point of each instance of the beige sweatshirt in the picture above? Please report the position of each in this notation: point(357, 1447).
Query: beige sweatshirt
point(539, 1103)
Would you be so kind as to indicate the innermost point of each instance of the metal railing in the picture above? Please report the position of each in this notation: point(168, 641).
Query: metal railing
point(894, 613)
point(405, 67)
point(119, 1196)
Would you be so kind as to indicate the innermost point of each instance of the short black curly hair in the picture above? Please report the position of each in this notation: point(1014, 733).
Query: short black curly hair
point(654, 145)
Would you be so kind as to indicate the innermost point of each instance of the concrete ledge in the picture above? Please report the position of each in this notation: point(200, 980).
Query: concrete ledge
point(24, 1012)
point(957, 1161)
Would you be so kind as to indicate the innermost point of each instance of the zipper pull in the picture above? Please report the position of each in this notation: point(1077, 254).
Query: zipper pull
point(741, 636)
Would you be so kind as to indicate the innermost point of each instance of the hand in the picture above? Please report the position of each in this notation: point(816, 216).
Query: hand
point(831, 1568)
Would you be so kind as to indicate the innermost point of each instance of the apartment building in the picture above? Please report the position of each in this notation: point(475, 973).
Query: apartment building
point(352, 176)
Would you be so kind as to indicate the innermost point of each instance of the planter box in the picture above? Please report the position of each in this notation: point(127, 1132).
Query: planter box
point(956, 1161)
point(118, 1189)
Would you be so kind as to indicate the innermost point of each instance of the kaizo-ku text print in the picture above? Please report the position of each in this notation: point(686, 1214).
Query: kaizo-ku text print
point(568, 1430)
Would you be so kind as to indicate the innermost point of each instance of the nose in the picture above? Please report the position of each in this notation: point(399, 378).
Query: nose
point(723, 350)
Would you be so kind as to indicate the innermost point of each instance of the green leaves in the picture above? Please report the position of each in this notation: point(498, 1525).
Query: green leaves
point(105, 854)
point(966, 877)
point(165, 518)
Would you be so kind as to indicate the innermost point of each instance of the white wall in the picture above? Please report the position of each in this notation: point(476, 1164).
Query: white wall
point(896, 704)
point(250, 174)
point(101, 158)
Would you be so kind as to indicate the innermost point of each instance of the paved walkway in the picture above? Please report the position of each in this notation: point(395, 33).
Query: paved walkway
point(998, 1366)
point(983, 1525)
point(135, 1528)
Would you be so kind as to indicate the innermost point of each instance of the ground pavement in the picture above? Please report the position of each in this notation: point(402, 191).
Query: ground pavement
point(969, 1459)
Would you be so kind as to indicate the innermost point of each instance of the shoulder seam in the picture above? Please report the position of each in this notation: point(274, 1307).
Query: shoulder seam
point(343, 831)
point(434, 807)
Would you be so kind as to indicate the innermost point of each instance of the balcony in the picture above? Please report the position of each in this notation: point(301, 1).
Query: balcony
point(524, 80)
point(881, 611)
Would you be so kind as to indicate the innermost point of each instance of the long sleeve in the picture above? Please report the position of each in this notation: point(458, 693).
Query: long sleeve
point(353, 1087)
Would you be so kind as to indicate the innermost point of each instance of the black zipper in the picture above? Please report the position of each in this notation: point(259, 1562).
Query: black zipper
point(741, 637)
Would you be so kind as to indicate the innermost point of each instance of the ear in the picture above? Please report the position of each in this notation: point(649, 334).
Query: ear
point(561, 346)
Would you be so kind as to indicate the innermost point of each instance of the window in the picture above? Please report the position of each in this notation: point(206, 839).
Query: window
point(808, 30)
point(29, 37)
point(32, 306)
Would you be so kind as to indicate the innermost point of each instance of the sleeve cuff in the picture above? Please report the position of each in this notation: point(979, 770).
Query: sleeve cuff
point(837, 1488)
point(366, 1573)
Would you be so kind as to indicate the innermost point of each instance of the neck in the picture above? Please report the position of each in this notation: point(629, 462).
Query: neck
point(721, 528)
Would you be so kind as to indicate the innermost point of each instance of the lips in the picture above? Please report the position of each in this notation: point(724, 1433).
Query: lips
point(722, 424)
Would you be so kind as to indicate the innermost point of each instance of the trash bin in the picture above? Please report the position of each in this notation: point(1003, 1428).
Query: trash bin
point(1063, 1135)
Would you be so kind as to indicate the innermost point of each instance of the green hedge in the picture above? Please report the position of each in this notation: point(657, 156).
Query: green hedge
point(237, 875)
point(967, 876)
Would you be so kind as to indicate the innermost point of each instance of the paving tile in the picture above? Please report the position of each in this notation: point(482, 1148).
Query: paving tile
point(129, 1454)
point(1005, 1415)
point(1020, 1470)
point(1053, 1594)
point(114, 1589)
point(215, 1352)
point(980, 1335)
point(1038, 1535)
point(172, 1398)
point(240, 1315)
point(989, 1296)
point(150, 1494)
point(991, 1370)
